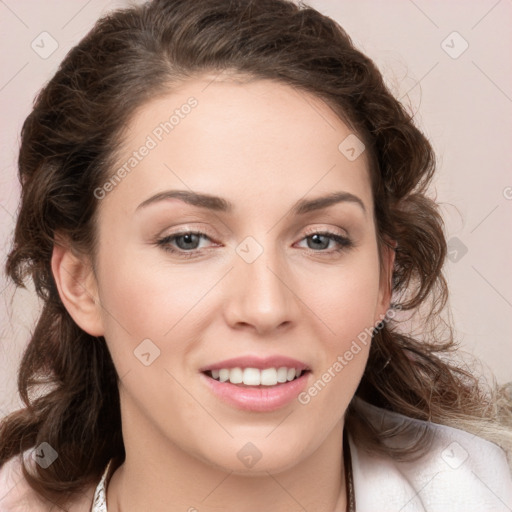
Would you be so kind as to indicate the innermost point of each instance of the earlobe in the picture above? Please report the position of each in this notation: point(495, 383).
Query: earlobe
point(77, 288)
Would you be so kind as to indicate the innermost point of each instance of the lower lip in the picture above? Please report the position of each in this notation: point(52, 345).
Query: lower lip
point(257, 398)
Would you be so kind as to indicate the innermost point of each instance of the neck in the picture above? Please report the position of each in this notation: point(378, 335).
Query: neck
point(159, 475)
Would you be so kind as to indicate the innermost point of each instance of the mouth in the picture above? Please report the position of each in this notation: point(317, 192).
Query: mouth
point(256, 377)
point(254, 389)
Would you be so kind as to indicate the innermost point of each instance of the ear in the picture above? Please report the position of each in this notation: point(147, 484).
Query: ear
point(386, 278)
point(77, 287)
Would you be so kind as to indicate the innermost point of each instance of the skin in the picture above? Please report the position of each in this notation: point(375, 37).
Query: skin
point(263, 146)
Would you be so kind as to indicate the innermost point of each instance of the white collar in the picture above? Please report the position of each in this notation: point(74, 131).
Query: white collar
point(99, 502)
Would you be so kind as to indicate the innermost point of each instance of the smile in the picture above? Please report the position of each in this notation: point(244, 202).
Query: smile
point(256, 397)
point(255, 376)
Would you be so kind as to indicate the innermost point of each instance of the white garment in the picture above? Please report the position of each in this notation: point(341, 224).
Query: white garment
point(99, 502)
point(460, 473)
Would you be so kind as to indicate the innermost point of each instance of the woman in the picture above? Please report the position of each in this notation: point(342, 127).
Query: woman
point(224, 211)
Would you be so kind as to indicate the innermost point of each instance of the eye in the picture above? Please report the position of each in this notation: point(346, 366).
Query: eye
point(186, 242)
point(320, 240)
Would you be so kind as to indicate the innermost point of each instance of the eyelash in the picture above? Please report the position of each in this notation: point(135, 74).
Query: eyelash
point(343, 242)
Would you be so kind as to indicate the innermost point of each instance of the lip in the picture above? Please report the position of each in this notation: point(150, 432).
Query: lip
point(275, 361)
point(256, 398)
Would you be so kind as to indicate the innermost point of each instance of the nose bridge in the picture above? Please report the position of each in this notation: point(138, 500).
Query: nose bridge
point(260, 293)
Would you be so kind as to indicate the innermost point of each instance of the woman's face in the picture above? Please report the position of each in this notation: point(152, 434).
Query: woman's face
point(256, 284)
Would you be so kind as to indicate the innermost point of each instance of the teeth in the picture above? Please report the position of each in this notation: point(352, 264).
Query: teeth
point(236, 376)
point(252, 376)
point(256, 377)
point(269, 377)
point(282, 374)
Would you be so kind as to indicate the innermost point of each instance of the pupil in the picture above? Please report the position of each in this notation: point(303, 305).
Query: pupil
point(188, 240)
point(317, 241)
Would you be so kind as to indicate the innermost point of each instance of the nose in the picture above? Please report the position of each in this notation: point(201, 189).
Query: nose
point(260, 294)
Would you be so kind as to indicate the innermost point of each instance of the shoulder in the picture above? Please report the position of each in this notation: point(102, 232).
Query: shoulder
point(16, 495)
point(460, 471)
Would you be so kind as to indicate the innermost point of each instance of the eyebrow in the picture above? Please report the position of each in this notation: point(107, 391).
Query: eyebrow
point(219, 204)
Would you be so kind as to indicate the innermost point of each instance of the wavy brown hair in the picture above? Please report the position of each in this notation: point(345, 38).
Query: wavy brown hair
point(69, 144)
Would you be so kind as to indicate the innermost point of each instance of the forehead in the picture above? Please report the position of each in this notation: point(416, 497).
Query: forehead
point(243, 140)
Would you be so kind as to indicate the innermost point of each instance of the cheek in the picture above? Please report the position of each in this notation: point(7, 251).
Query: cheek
point(146, 297)
point(345, 309)
point(347, 299)
point(141, 301)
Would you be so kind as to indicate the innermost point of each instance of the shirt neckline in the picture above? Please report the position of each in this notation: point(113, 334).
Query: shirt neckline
point(99, 502)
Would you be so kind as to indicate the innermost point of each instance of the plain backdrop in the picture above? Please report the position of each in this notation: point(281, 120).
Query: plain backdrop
point(448, 61)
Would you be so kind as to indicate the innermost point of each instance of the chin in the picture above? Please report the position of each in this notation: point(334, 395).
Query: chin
point(255, 458)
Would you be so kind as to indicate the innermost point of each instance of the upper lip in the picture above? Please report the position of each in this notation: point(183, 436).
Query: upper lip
point(260, 363)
